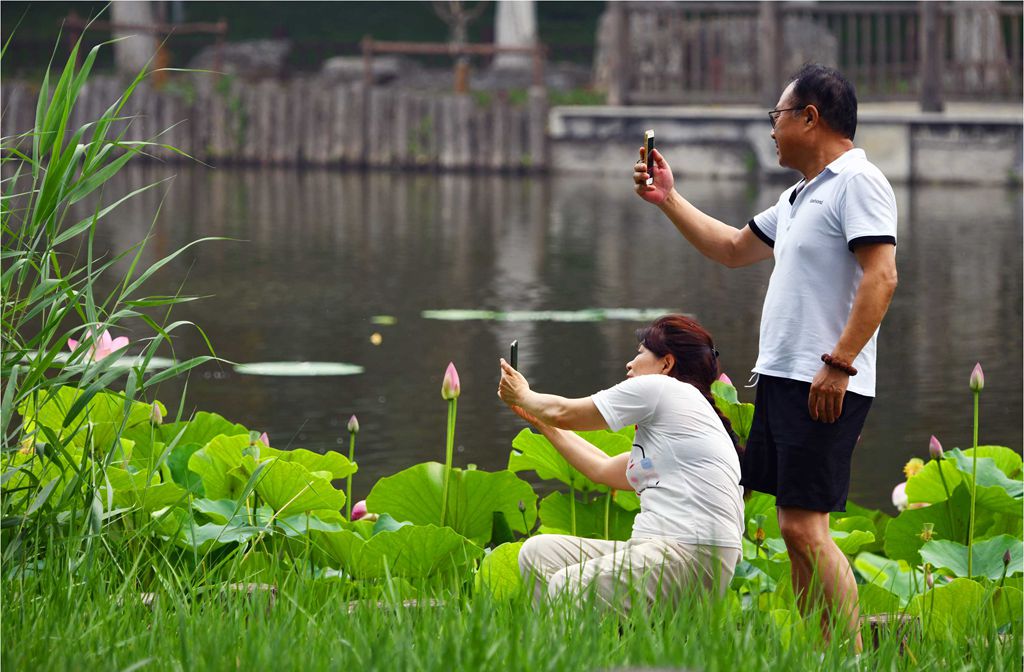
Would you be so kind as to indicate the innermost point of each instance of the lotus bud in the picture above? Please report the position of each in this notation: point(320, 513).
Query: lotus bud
point(725, 379)
point(264, 439)
point(156, 416)
point(926, 532)
point(913, 467)
point(935, 448)
point(1006, 558)
point(353, 425)
point(759, 536)
point(450, 388)
point(929, 580)
point(522, 508)
point(899, 496)
point(359, 509)
point(977, 379)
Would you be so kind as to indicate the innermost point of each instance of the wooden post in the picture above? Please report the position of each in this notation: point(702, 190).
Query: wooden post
point(931, 56)
point(620, 66)
point(769, 51)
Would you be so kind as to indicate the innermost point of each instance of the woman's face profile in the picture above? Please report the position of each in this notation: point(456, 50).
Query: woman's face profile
point(645, 362)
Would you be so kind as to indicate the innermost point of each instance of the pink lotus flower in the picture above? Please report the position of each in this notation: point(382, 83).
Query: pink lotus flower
point(264, 439)
point(359, 509)
point(977, 379)
point(935, 448)
point(450, 388)
point(725, 379)
point(101, 346)
point(899, 496)
point(353, 425)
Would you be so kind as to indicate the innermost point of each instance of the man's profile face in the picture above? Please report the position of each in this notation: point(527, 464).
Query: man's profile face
point(783, 132)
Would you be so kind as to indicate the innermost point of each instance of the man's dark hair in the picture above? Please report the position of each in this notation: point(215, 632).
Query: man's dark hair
point(828, 90)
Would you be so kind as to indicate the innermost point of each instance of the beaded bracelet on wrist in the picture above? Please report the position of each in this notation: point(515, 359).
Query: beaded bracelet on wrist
point(838, 364)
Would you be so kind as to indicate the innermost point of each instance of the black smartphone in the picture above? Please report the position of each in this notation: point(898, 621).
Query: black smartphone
point(649, 154)
point(513, 357)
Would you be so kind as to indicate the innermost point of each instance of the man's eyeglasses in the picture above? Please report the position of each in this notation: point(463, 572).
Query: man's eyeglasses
point(773, 115)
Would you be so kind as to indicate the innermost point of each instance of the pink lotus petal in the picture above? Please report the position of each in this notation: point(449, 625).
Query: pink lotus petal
point(265, 439)
point(450, 388)
point(72, 344)
point(977, 378)
point(105, 340)
point(725, 379)
point(359, 509)
point(118, 343)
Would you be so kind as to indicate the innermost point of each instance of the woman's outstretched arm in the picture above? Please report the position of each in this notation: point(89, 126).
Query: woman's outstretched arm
point(550, 409)
point(584, 456)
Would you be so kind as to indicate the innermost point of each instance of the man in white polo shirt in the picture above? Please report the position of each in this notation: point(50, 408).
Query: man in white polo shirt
point(833, 238)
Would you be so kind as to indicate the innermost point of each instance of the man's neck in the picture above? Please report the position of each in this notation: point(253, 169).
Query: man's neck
point(821, 156)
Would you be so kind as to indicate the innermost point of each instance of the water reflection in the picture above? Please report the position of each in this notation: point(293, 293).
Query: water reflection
point(314, 255)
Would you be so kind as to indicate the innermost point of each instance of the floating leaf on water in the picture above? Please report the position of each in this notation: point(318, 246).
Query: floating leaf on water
point(459, 315)
point(386, 320)
point(298, 369)
point(123, 362)
point(581, 315)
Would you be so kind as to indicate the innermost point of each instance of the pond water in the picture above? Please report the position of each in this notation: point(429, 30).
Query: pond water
point(316, 258)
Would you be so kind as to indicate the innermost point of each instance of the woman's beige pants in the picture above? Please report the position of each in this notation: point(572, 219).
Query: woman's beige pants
point(658, 569)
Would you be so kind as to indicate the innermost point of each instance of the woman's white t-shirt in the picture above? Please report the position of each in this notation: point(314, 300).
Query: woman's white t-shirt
point(683, 464)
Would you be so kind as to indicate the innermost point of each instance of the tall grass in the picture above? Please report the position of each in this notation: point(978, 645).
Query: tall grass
point(51, 271)
point(56, 624)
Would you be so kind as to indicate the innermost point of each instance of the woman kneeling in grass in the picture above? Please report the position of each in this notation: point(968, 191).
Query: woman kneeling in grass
point(683, 465)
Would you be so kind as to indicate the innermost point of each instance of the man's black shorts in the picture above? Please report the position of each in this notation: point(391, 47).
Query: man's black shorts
point(803, 462)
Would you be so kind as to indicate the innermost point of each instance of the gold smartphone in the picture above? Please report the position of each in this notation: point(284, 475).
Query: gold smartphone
point(649, 154)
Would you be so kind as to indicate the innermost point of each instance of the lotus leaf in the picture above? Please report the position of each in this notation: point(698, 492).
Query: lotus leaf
point(555, 518)
point(740, 415)
point(411, 551)
point(1007, 460)
point(926, 485)
point(291, 488)
point(903, 534)
point(499, 572)
point(333, 462)
point(414, 494)
point(200, 430)
point(951, 610)
point(1008, 606)
point(851, 542)
point(532, 451)
point(177, 463)
point(102, 417)
point(179, 526)
point(874, 599)
point(988, 556)
point(385, 523)
point(219, 464)
point(996, 491)
point(892, 575)
point(848, 522)
point(761, 504)
point(627, 499)
point(225, 511)
point(302, 523)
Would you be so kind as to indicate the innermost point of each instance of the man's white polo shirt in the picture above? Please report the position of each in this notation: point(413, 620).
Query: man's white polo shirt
point(813, 230)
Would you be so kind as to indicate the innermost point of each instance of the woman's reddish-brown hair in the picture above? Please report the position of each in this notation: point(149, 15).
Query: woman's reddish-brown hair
point(694, 351)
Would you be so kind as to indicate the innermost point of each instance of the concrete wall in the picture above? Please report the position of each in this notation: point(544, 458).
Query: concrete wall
point(736, 143)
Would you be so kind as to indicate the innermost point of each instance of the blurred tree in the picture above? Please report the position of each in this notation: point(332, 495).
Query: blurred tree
point(134, 51)
point(458, 15)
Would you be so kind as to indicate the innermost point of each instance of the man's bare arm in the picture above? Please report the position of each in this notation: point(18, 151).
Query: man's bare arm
point(870, 304)
point(714, 239)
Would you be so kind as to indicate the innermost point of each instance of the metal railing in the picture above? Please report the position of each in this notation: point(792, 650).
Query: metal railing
point(738, 51)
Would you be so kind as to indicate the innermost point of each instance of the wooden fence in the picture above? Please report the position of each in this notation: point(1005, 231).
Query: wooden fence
point(680, 52)
point(309, 122)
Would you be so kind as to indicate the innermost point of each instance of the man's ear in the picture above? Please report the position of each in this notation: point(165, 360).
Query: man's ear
point(811, 116)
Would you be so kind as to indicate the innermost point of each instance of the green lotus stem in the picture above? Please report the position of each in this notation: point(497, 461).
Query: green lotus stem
point(449, 446)
point(949, 502)
point(572, 508)
point(607, 513)
point(348, 480)
point(974, 489)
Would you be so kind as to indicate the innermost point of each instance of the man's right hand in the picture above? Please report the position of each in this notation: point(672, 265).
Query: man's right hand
point(663, 181)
